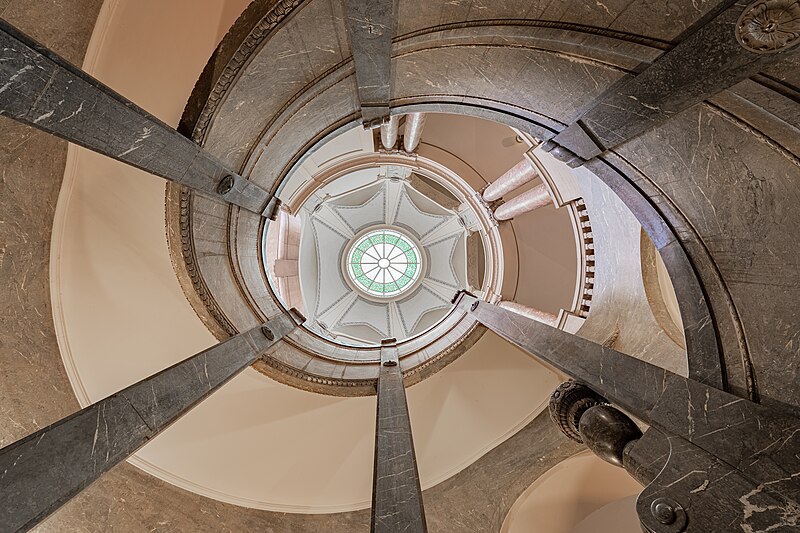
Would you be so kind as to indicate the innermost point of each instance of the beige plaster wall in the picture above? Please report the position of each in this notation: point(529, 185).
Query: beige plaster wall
point(562, 500)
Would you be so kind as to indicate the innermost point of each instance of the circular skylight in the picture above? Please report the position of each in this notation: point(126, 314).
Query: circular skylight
point(383, 263)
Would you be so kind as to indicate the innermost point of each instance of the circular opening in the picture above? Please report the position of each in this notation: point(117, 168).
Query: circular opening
point(383, 263)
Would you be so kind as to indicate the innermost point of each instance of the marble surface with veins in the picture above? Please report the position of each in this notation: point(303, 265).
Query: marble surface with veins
point(729, 167)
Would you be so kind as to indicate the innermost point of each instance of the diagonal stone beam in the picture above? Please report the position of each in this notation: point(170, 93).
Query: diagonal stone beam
point(41, 472)
point(722, 52)
point(713, 435)
point(370, 25)
point(656, 396)
point(396, 493)
point(43, 90)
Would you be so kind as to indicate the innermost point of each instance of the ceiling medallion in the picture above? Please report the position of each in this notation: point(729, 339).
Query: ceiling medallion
point(769, 26)
point(384, 263)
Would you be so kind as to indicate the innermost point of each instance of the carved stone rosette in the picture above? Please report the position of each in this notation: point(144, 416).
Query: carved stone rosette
point(568, 403)
point(769, 26)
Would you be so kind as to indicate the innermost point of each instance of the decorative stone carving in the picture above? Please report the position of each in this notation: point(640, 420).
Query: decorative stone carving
point(568, 403)
point(769, 26)
point(253, 40)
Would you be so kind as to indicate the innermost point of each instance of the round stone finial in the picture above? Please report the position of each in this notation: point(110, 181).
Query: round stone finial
point(606, 431)
point(769, 26)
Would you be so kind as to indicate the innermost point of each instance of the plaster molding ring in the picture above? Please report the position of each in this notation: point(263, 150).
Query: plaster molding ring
point(437, 172)
point(769, 26)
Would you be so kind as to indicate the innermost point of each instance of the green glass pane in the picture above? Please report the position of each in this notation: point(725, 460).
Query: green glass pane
point(365, 269)
point(392, 287)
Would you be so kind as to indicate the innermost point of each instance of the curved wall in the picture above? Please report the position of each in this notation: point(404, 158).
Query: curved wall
point(565, 498)
point(539, 246)
point(34, 389)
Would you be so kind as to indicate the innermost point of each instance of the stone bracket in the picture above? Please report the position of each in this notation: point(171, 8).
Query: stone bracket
point(579, 141)
point(272, 208)
point(562, 154)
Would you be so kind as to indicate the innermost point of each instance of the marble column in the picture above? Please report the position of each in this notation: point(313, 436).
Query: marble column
point(514, 178)
point(44, 470)
point(43, 90)
point(527, 201)
point(396, 493)
point(413, 131)
point(389, 132)
point(535, 314)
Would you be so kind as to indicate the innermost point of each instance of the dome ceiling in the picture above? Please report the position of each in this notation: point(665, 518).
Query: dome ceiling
point(398, 293)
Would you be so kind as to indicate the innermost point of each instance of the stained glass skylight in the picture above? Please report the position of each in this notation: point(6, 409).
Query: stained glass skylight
point(384, 263)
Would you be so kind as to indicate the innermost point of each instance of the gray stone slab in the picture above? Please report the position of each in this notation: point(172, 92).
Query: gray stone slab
point(43, 90)
point(47, 468)
point(370, 26)
point(396, 495)
point(708, 61)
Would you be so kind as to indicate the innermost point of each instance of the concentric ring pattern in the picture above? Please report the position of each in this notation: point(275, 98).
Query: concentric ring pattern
point(383, 263)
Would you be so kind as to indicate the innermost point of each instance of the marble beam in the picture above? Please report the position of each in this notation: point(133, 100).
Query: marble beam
point(41, 472)
point(396, 493)
point(732, 46)
point(43, 90)
point(732, 462)
point(514, 178)
point(534, 314)
point(413, 131)
point(527, 201)
point(389, 132)
point(370, 25)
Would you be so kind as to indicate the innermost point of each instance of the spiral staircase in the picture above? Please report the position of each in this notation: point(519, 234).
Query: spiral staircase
point(370, 219)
